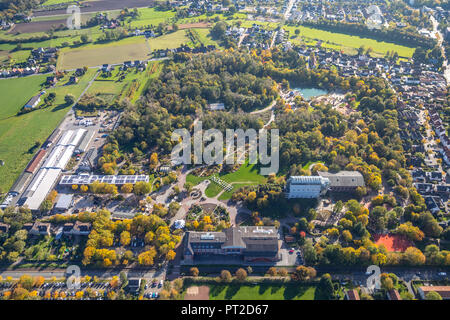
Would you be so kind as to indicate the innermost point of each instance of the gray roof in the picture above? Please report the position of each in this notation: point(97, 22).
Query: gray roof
point(64, 202)
point(344, 178)
point(252, 239)
point(33, 100)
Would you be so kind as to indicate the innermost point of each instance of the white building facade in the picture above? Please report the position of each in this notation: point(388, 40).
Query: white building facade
point(306, 187)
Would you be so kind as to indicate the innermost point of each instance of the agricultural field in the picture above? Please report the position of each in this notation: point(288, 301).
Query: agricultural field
point(263, 292)
point(349, 44)
point(150, 16)
point(134, 48)
point(169, 41)
point(18, 133)
point(14, 57)
point(204, 37)
point(53, 2)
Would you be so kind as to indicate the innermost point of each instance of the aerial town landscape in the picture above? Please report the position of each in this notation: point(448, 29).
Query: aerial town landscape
point(352, 203)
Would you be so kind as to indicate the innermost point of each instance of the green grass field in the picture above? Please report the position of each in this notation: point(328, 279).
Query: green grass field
point(169, 41)
point(19, 133)
point(133, 48)
point(150, 16)
point(346, 42)
point(263, 292)
point(247, 174)
point(52, 2)
point(204, 37)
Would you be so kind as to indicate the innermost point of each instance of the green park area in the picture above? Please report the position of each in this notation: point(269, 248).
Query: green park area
point(20, 133)
point(263, 292)
point(247, 174)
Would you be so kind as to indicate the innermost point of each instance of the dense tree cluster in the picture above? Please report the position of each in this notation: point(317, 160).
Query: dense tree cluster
point(236, 79)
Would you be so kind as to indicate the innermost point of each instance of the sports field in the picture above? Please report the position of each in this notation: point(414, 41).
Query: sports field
point(393, 242)
point(18, 134)
point(263, 292)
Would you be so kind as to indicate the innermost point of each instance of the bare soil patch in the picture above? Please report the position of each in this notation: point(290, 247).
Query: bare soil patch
point(37, 26)
point(197, 293)
point(194, 25)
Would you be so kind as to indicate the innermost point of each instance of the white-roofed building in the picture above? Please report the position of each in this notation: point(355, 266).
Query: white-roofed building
point(55, 163)
point(298, 187)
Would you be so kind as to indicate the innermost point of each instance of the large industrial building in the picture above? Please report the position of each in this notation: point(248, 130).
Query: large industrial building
point(299, 187)
point(48, 174)
point(251, 244)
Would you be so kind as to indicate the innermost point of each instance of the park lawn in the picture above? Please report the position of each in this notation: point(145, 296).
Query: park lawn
point(212, 190)
point(346, 41)
point(247, 174)
point(194, 179)
point(18, 134)
point(133, 48)
point(263, 292)
point(169, 41)
point(226, 195)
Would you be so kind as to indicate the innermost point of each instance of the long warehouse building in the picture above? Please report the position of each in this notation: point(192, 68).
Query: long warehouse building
point(49, 172)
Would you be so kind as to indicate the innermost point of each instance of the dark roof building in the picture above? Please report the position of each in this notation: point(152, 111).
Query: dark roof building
point(343, 181)
point(33, 102)
point(134, 285)
point(250, 243)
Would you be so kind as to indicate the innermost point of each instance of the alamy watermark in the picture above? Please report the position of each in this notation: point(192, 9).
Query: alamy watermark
point(74, 280)
point(209, 147)
point(374, 280)
point(74, 20)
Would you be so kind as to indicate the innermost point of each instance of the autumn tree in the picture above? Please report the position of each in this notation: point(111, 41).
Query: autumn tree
point(225, 276)
point(153, 161)
point(125, 238)
point(241, 274)
point(194, 271)
point(146, 257)
point(126, 188)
